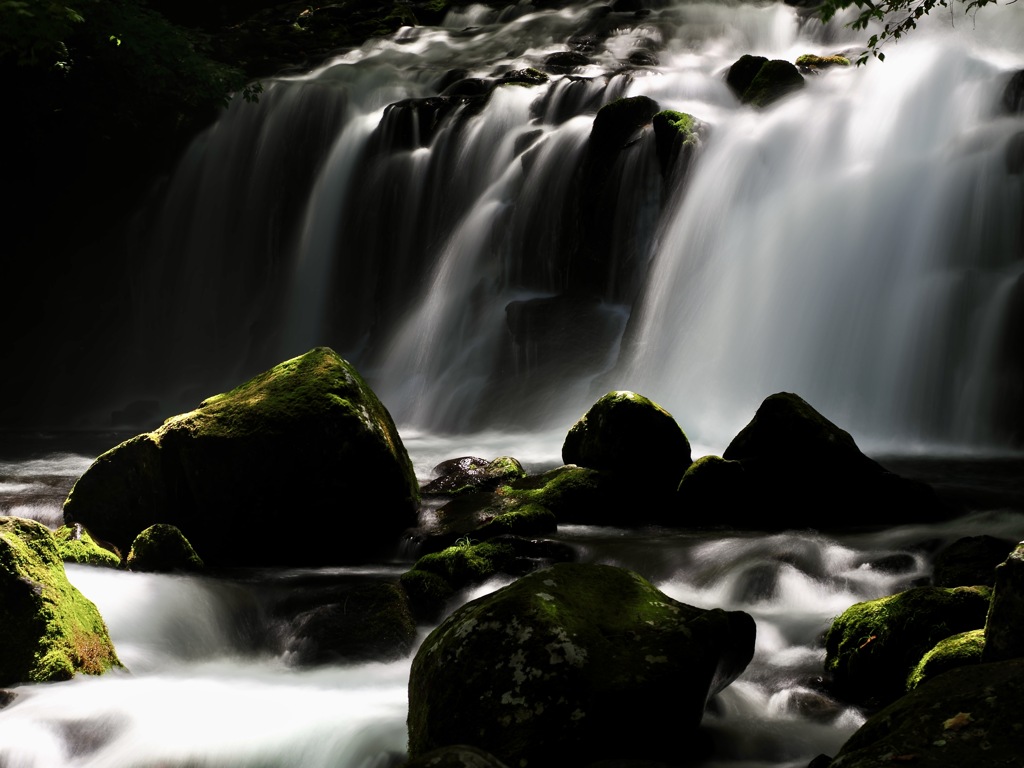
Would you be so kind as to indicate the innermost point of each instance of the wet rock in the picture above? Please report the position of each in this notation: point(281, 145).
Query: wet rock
point(617, 123)
point(568, 665)
point(1004, 629)
point(49, 631)
point(970, 560)
point(75, 545)
point(469, 473)
point(1013, 94)
point(872, 648)
point(969, 716)
point(162, 548)
point(742, 73)
point(627, 434)
point(804, 471)
point(774, 80)
point(306, 436)
point(580, 495)
point(678, 137)
point(528, 76)
point(565, 62)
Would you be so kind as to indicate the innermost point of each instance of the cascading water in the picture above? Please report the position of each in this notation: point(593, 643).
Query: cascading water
point(858, 242)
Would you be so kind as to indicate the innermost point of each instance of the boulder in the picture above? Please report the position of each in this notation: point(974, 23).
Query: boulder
point(970, 560)
point(970, 716)
point(742, 73)
point(627, 434)
point(584, 496)
point(775, 79)
point(677, 137)
point(162, 548)
point(572, 664)
point(871, 649)
point(618, 122)
point(49, 630)
point(804, 471)
point(1013, 94)
point(1004, 629)
point(302, 439)
point(469, 473)
point(75, 545)
point(713, 489)
point(956, 651)
point(565, 62)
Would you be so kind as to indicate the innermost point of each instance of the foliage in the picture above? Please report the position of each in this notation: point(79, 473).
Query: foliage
point(897, 17)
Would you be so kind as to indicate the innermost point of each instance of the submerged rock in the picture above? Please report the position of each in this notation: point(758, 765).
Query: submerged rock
point(628, 434)
point(49, 630)
point(572, 664)
point(161, 548)
point(304, 439)
point(872, 648)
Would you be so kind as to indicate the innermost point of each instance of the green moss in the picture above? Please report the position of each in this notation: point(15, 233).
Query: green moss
point(774, 80)
point(467, 563)
point(48, 629)
point(956, 651)
point(811, 61)
point(75, 545)
point(161, 548)
point(428, 593)
point(872, 648)
point(526, 520)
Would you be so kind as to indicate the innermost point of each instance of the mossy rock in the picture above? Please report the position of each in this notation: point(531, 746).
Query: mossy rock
point(804, 471)
point(579, 495)
point(970, 560)
point(811, 63)
point(75, 545)
point(428, 593)
point(470, 474)
point(677, 137)
point(871, 649)
point(526, 77)
point(49, 631)
point(956, 651)
point(742, 73)
point(162, 548)
point(776, 78)
point(525, 520)
point(968, 716)
point(568, 665)
point(617, 123)
point(629, 435)
point(308, 435)
point(713, 491)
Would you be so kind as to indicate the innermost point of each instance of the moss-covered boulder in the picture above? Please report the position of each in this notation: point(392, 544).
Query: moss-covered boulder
point(775, 79)
point(713, 489)
point(75, 545)
point(162, 548)
point(583, 496)
point(468, 474)
point(49, 631)
point(871, 649)
point(804, 471)
point(571, 664)
point(810, 63)
point(956, 651)
point(627, 434)
point(1004, 627)
point(742, 73)
point(970, 560)
point(308, 437)
point(971, 716)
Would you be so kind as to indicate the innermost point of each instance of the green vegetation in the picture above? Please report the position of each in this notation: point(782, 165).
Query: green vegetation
point(75, 545)
point(956, 651)
point(160, 548)
point(813, 62)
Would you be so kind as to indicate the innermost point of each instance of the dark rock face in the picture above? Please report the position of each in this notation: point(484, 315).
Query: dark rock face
point(49, 631)
point(1013, 94)
point(161, 548)
point(628, 434)
point(458, 756)
point(970, 560)
point(803, 471)
point(873, 647)
point(678, 136)
point(1004, 629)
point(757, 81)
point(965, 717)
point(307, 435)
point(568, 665)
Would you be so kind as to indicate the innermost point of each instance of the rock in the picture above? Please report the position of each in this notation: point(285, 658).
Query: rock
point(49, 631)
point(871, 649)
point(969, 716)
point(1013, 94)
point(956, 651)
point(713, 489)
point(629, 435)
point(526, 77)
point(428, 593)
point(457, 756)
point(804, 471)
point(970, 560)
point(774, 80)
point(742, 73)
point(565, 62)
point(469, 474)
point(580, 495)
point(372, 622)
point(809, 63)
point(304, 438)
point(413, 123)
point(617, 123)
point(162, 548)
point(1004, 629)
point(75, 545)
point(573, 664)
point(525, 520)
point(677, 138)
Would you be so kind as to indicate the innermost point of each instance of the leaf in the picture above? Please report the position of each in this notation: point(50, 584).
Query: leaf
point(957, 721)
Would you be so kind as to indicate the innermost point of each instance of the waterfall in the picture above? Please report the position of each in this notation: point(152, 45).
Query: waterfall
point(858, 242)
